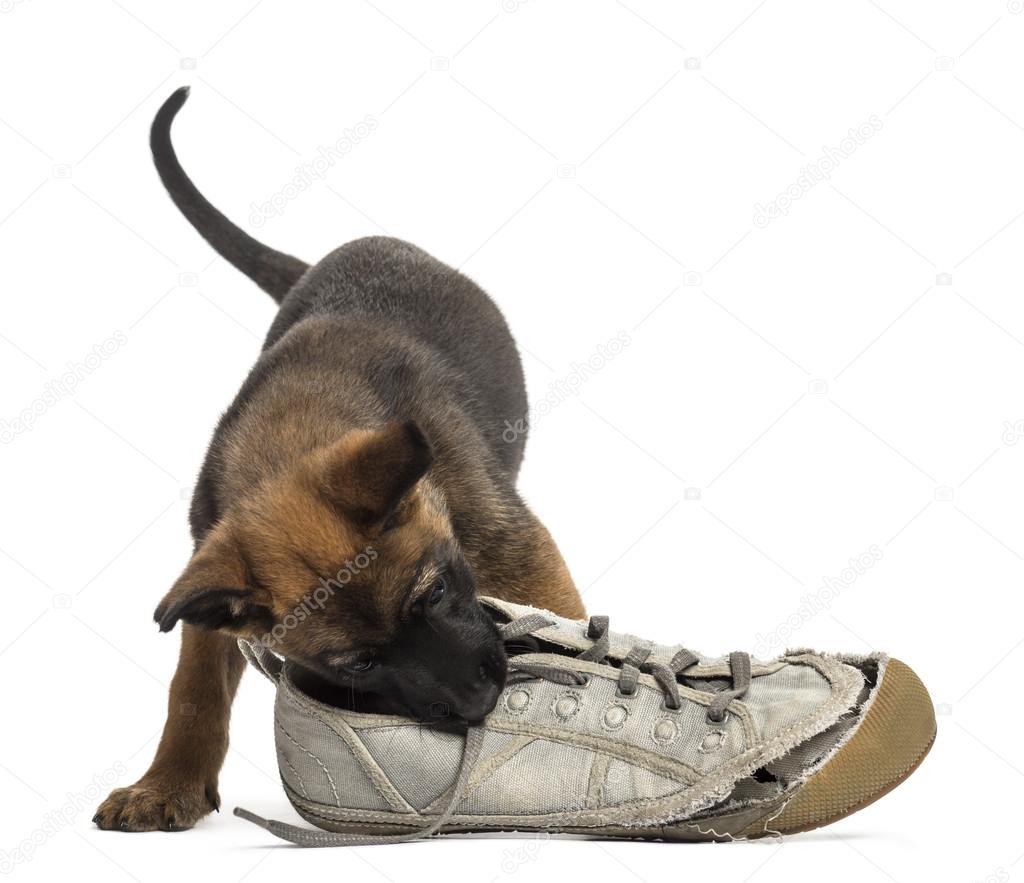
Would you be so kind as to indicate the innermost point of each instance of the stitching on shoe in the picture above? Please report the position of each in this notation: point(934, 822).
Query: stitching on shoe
point(303, 748)
point(664, 766)
point(356, 748)
point(295, 772)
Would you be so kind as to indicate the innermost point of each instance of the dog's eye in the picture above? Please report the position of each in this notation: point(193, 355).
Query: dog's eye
point(359, 667)
point(437, 592)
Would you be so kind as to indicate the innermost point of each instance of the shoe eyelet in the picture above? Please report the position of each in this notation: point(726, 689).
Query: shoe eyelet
point(673, 710)
point(712, 742)
point(664, 731)
point(623, 695)
point(566, 706)
point(615, 716)
point(517, 701)
point(717, 723)
point(584, 680)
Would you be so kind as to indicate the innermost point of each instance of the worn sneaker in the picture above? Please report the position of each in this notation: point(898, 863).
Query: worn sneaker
point(606, 734)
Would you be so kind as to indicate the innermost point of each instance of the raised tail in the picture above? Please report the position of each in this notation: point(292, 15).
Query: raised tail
point(271, 270)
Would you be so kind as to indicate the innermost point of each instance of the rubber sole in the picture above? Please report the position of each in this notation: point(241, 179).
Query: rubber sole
point(891, 742)
point(728, 826)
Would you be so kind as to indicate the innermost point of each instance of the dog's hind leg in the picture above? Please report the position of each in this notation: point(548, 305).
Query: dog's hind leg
point(180, 786)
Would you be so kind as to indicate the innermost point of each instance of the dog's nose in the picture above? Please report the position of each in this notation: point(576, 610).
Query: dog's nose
point(475, 709)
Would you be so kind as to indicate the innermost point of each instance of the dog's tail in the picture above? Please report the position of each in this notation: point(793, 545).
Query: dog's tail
point(271, 270)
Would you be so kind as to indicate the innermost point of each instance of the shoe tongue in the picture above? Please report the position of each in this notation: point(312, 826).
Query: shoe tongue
point(503, 611)
point(567, 634)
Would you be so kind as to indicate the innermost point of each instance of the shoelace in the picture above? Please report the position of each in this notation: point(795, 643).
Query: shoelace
point(636, 662)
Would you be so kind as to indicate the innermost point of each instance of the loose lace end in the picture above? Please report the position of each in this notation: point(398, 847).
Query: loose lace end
point(249, 816)
point(307, 837)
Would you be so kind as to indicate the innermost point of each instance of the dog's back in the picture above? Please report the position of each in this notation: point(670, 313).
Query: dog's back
point(416, 301)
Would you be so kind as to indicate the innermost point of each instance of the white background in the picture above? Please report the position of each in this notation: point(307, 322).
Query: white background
point(846, 378)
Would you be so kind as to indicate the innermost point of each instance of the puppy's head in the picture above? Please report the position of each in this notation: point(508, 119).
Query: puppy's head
point(348, 566)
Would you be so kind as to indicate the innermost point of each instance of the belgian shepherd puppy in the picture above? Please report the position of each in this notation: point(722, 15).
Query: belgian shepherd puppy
point(357, 495)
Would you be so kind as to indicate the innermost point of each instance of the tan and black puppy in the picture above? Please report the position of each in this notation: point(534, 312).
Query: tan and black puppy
point(356, 497)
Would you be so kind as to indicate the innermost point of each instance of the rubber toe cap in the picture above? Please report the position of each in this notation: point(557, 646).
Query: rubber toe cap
point(891, 741)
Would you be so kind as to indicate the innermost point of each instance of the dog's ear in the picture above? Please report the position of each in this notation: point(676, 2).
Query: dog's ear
point(368, 473)
point(213, 591)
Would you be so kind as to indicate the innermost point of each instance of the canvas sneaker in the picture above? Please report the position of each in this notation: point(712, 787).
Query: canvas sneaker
point(603, 733)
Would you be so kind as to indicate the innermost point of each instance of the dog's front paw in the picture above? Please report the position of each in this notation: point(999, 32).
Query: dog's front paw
point(154, 804)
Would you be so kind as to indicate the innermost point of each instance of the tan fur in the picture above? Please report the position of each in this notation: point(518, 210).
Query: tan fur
point(290, 531)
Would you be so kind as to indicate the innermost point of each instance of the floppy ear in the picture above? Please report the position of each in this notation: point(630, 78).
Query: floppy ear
point(212, 592)
point(368, 472)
